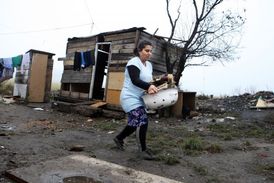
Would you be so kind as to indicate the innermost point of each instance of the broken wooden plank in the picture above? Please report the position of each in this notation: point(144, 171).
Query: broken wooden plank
point(98, 104)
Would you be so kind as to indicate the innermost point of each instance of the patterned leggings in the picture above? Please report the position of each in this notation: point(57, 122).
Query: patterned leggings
point(140, 135)
point(137, 121)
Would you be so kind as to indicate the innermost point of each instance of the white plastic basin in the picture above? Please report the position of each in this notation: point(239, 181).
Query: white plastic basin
point(161, 99)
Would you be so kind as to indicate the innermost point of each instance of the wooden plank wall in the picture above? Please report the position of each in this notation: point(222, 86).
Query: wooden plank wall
point(69, 75)
point(122, 46)
point(82, 76)
point(115, 85)
point(74, 82)
point(48, 80)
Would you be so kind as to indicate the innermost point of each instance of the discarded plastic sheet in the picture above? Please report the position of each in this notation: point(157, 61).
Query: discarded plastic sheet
point(261, 103)
point(7, 128)
point(38, 109)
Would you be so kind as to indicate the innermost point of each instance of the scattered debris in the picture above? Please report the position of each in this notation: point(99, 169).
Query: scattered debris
point(7, 100)
point(230, 118)
point(111, 132)
point(38, 109)
point(234, 103)
point(7, 127)
point(77, 148)
point(220, 120)
point(98, 104)
point(261, 103)
point(90, 120)
point(218, 124)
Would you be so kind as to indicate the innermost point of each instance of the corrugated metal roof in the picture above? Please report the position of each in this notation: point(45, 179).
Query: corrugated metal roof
point(133, 29)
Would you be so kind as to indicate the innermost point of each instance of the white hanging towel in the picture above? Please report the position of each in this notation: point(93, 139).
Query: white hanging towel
point(25, 63)
point(20, 90)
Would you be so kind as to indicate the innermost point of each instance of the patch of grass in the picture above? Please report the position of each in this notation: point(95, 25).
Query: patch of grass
point(213, 180)
point(247, 143)
point(247, 146)
point(271, 136)
point(107, 125)
point(6, 87)
point(55, 86)
point(214, 148)
point(228, 131)
point(227, 137)
point(201, 170)
point(168, 159)
point(255, 131)
point(160, 139)
point(7, 133)
point(269, 118)
point(193, 146)
point(267, 170)
point(194, 143)
point(221, 128)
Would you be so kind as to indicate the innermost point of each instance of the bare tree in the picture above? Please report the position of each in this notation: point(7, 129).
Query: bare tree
point(211, 36)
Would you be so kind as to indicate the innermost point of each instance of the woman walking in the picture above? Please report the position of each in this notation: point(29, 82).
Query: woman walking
point(138, 75)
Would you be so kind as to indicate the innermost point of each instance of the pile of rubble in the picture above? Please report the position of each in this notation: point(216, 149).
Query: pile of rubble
point(233, 103)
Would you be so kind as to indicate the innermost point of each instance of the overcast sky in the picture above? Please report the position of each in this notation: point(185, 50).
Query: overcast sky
point(47, 24)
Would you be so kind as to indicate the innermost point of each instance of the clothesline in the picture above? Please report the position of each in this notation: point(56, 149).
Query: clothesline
point(7, 65)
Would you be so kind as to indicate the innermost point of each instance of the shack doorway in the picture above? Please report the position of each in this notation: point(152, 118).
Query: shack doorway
point(99, 79)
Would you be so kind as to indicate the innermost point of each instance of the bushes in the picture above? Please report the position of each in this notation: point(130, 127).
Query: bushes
point(6, 87)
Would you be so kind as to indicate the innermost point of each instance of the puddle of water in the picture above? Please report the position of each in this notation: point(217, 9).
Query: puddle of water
point(80, 179)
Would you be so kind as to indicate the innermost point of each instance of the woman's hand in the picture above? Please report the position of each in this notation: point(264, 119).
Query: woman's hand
point(152, 89)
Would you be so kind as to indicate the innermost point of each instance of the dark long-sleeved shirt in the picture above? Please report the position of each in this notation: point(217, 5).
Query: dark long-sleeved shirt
point(134, 73)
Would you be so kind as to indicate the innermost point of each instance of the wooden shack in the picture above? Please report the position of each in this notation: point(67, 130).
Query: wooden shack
point(33, 82)
point(103, 80)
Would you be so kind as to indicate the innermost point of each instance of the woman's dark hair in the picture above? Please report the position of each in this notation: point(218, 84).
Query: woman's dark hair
point(141, 46)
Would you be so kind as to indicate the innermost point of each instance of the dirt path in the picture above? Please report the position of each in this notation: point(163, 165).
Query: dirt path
point(207, 148)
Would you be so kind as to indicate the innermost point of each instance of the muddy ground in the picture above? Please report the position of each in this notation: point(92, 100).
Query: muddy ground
point(226, 142)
